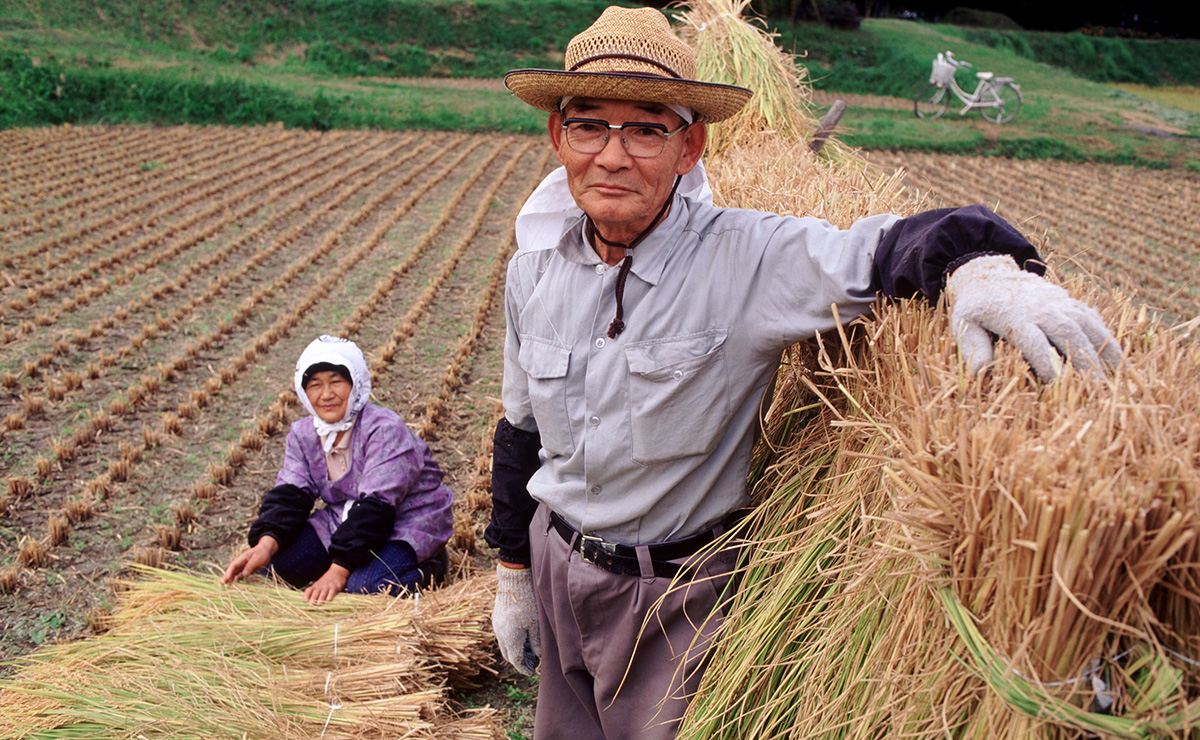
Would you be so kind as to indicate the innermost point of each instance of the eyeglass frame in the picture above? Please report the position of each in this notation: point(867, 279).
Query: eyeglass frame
point(624, 144)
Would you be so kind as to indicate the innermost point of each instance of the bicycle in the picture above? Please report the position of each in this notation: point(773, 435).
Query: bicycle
point(996, 98)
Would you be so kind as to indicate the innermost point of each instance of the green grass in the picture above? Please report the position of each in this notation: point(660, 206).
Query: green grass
point(36, 90)
point(1063, 116)
point(325, 64)
point(1138, 61)
point(1182, 97)
point(879, 58)
point(453, 38)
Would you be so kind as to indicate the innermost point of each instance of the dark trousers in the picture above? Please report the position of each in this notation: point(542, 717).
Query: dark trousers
point(391, 568)
point(608, 672)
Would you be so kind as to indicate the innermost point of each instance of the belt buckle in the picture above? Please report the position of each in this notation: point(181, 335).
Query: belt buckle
point(598, 543)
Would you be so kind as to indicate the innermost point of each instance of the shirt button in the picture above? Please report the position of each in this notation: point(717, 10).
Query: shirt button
point(595, 490)
point(678, 375)
point(594, 421)
point(600, 269)
point(599, 342)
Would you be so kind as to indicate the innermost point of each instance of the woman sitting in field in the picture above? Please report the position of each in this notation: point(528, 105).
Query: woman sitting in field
point(387, 516)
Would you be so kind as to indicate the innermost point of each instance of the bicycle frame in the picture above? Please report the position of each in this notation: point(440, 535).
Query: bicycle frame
point(974, 101)
point(996, 98)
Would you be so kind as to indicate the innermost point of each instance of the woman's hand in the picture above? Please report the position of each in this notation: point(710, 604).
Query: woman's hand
point(327, 586)
point(251, 560)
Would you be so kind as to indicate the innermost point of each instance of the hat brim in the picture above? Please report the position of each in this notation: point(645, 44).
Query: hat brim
point(544, 88)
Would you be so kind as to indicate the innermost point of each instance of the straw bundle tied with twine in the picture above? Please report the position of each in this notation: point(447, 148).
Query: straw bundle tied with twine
point(733, 50)
point(936, 555)
point(188, 658)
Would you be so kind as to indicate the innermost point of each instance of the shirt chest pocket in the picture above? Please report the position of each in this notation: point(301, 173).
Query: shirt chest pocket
point(678, 392)
point(545, 365)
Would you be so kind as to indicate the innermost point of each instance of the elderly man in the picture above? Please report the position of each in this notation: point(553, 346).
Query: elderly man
point(644, 325)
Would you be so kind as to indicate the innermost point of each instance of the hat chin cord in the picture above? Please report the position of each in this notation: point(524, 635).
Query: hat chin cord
point(618, 324)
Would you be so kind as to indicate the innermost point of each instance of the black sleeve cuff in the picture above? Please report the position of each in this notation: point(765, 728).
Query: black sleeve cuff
point(367, 527)
point(283, 512)
point(919, 252)
point(514, 461)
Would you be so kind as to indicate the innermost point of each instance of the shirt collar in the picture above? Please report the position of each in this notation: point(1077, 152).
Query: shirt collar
point(344, 443)
point(649, 258)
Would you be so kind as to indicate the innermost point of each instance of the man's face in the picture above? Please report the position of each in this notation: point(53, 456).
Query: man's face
point(622, 194)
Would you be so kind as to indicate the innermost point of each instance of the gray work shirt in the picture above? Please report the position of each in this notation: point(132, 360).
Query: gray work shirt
point(647, 437)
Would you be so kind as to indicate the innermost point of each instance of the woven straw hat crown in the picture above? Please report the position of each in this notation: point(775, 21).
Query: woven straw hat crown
point(631, 41)
point(628, 54)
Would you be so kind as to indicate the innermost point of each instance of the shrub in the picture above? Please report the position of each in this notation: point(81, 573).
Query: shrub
point(983, 18)
point(842, 15)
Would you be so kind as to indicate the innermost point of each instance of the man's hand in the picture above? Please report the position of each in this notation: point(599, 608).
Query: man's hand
point(251, 561)
point(992, 294)
point(515, 619)
point(327, 586)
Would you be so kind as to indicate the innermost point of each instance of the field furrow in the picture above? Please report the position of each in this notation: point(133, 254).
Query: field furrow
point(67, 195)
point(1135, 229)
point(116, 217)
point(142, 422)
point(174, 293)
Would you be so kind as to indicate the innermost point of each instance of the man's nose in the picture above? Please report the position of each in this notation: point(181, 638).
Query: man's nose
point(613, 155)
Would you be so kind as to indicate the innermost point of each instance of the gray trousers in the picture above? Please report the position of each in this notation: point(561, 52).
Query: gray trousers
point(613, 666)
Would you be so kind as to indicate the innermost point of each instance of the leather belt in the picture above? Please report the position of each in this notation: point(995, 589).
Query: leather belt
point(623, 559)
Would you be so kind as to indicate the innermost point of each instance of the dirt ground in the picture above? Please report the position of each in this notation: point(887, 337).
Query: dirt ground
point(156, 287)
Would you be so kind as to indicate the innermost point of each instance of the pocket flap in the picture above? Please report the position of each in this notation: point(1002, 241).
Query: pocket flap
point(678, 353)
point(542, 359)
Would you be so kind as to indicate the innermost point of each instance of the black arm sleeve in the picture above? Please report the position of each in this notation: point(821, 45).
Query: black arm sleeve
point(514, 461)
point(283, 512)
point(919, 252)
point(367, 527)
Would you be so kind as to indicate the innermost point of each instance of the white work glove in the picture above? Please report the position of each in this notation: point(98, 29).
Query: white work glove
point(515, 619)
point(992, 294)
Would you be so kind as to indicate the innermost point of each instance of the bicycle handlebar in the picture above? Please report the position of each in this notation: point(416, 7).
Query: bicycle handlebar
point(956, 62)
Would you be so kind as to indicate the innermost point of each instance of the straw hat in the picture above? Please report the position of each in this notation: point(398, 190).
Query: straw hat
point(628, 54)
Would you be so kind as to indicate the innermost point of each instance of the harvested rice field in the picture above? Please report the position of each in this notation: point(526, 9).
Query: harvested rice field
point(156, 285)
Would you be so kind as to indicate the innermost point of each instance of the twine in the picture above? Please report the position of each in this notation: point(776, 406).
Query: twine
point(335, 704)
point(1050, 707)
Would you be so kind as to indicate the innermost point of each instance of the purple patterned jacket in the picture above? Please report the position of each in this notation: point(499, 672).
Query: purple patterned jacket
point(388, 463)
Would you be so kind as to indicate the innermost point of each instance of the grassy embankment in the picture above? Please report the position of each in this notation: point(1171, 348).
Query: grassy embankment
point(313, 64)
point(326, 64)
point(1064, 116)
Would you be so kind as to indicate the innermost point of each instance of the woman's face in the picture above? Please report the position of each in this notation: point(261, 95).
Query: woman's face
point(329, 393)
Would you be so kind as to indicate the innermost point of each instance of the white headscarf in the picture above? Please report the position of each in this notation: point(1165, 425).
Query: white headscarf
point(687, 114)
point(335, 351)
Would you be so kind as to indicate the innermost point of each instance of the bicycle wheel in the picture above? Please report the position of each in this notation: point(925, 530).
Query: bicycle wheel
point(932, 101)
point(1005, 101)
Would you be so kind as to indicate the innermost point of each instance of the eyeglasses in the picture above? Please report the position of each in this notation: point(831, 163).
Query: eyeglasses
point(643, 140)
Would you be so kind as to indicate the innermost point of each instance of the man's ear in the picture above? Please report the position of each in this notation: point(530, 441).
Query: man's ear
point(694, 140)
point(554, 126)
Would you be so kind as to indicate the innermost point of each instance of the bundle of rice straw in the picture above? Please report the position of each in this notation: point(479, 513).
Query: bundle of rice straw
point(188, 658)
point(732, 51)
point(936, 555)
point(944, 556)
point(776, 126)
